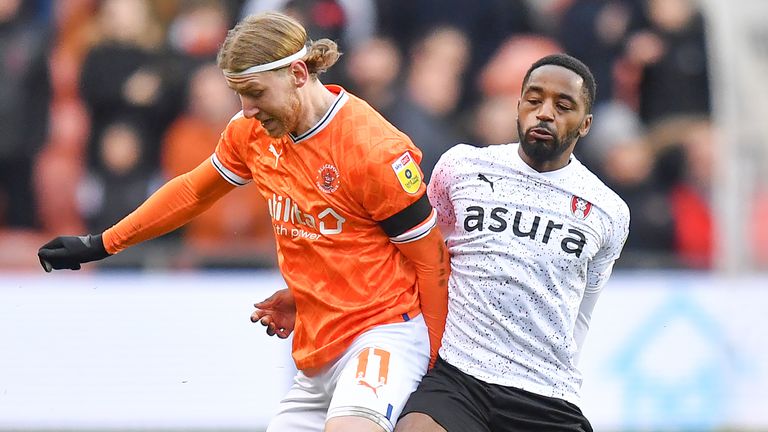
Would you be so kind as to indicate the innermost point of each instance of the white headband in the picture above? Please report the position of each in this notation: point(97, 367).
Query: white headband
point(271, 65)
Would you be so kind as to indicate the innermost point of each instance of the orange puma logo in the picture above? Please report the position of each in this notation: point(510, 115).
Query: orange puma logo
point(366, 384)
point(362, 368)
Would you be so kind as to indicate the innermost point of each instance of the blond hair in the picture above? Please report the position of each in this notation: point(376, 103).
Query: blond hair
point(271, 36)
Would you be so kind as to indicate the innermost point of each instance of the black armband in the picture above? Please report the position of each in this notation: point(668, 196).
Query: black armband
point(407, 218)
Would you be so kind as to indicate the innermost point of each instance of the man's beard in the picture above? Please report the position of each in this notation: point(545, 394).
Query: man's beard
point(287, 122)
point(544, 151)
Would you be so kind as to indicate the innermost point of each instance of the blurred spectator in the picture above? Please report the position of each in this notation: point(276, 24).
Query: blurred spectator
point(504, 73)
point(237, 228)
point(494, 121)
point(487, 23)
point(685, 168)
point(373, 68)
point(121, 181)
point(595, 32)
point(125, 76)
point(25, 96)
point(691, 150)
point(59, 169)
point(198, 29)
point(671, 60)
point(427, 106)
point(348, 22)
point(59, 166)
point(120, 71)
point(617, 122)
point(628, 165)
point(76, 31)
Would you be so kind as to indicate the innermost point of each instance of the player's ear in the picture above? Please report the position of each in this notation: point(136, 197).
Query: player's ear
point(585, 125)
point(299, 73)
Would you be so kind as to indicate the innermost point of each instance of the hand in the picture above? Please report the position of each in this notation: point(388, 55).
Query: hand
point(69, 252)
point(277, 314)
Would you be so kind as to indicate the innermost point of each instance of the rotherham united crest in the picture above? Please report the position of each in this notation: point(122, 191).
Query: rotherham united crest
point(328, 178)
point(580, 207)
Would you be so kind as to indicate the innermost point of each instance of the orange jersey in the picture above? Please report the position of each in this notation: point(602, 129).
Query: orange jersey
point(339, 196)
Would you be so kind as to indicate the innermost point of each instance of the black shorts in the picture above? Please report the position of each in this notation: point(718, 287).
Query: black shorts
point(461, 403)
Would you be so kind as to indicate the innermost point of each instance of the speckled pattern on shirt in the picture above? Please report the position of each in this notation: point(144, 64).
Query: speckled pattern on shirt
point(530, 253)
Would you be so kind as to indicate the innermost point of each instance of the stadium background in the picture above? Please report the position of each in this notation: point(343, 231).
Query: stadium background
point(102, 101)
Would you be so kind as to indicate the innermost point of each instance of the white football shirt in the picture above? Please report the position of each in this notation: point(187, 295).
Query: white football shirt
point(530, 253)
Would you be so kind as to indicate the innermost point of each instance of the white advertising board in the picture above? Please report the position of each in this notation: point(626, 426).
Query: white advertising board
point(138, 351)
point(665, 352)
point(671, 351)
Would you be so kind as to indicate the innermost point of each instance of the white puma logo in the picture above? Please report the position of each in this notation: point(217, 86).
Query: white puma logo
point(274, 152)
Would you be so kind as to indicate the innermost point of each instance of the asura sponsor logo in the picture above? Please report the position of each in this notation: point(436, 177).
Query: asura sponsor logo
point(572, 242)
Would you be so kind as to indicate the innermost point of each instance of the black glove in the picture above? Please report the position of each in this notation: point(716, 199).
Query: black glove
point(69, 252)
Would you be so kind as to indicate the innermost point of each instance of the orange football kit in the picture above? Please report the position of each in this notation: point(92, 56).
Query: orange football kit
point(346, 198)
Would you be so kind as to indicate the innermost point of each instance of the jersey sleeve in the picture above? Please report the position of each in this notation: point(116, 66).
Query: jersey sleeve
point(226, 158)
point(393, 191)
point(599, 270)
point(600, 267)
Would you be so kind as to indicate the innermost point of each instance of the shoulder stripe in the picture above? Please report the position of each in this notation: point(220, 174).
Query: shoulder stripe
point(226, 173)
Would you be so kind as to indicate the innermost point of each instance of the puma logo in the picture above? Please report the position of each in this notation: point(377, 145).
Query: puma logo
point(366, 384)
point(273, 150)
point(485, 179)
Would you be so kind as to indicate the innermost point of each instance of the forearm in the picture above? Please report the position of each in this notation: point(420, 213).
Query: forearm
point(173, 205)
point(430, 257)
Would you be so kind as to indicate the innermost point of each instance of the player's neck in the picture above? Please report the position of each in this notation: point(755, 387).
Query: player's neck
point(316, 100)
point(545, 166)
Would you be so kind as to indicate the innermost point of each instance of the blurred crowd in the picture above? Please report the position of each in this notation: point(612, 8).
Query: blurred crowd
point(102, 101)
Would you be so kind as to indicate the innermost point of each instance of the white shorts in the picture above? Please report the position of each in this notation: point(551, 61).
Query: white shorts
point(372, 379)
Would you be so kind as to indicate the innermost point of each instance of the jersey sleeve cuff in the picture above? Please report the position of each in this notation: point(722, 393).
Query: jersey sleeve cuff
point(411, 223)
point(418, 231)
point(227, 174)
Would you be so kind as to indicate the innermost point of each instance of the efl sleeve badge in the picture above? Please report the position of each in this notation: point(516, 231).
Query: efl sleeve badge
point(407, 173)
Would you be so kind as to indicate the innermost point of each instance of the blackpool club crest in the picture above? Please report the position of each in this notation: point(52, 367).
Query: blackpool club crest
point(328, 178)
point(580, 207)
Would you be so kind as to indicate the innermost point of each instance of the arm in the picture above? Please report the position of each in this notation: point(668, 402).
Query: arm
point(599, 269)
point(430, 257)
point(395, 196)
point(173, 205)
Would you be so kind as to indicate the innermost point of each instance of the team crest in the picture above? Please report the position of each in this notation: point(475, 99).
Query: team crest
point(580, 207)
point(407, 173)
point(328, 178)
